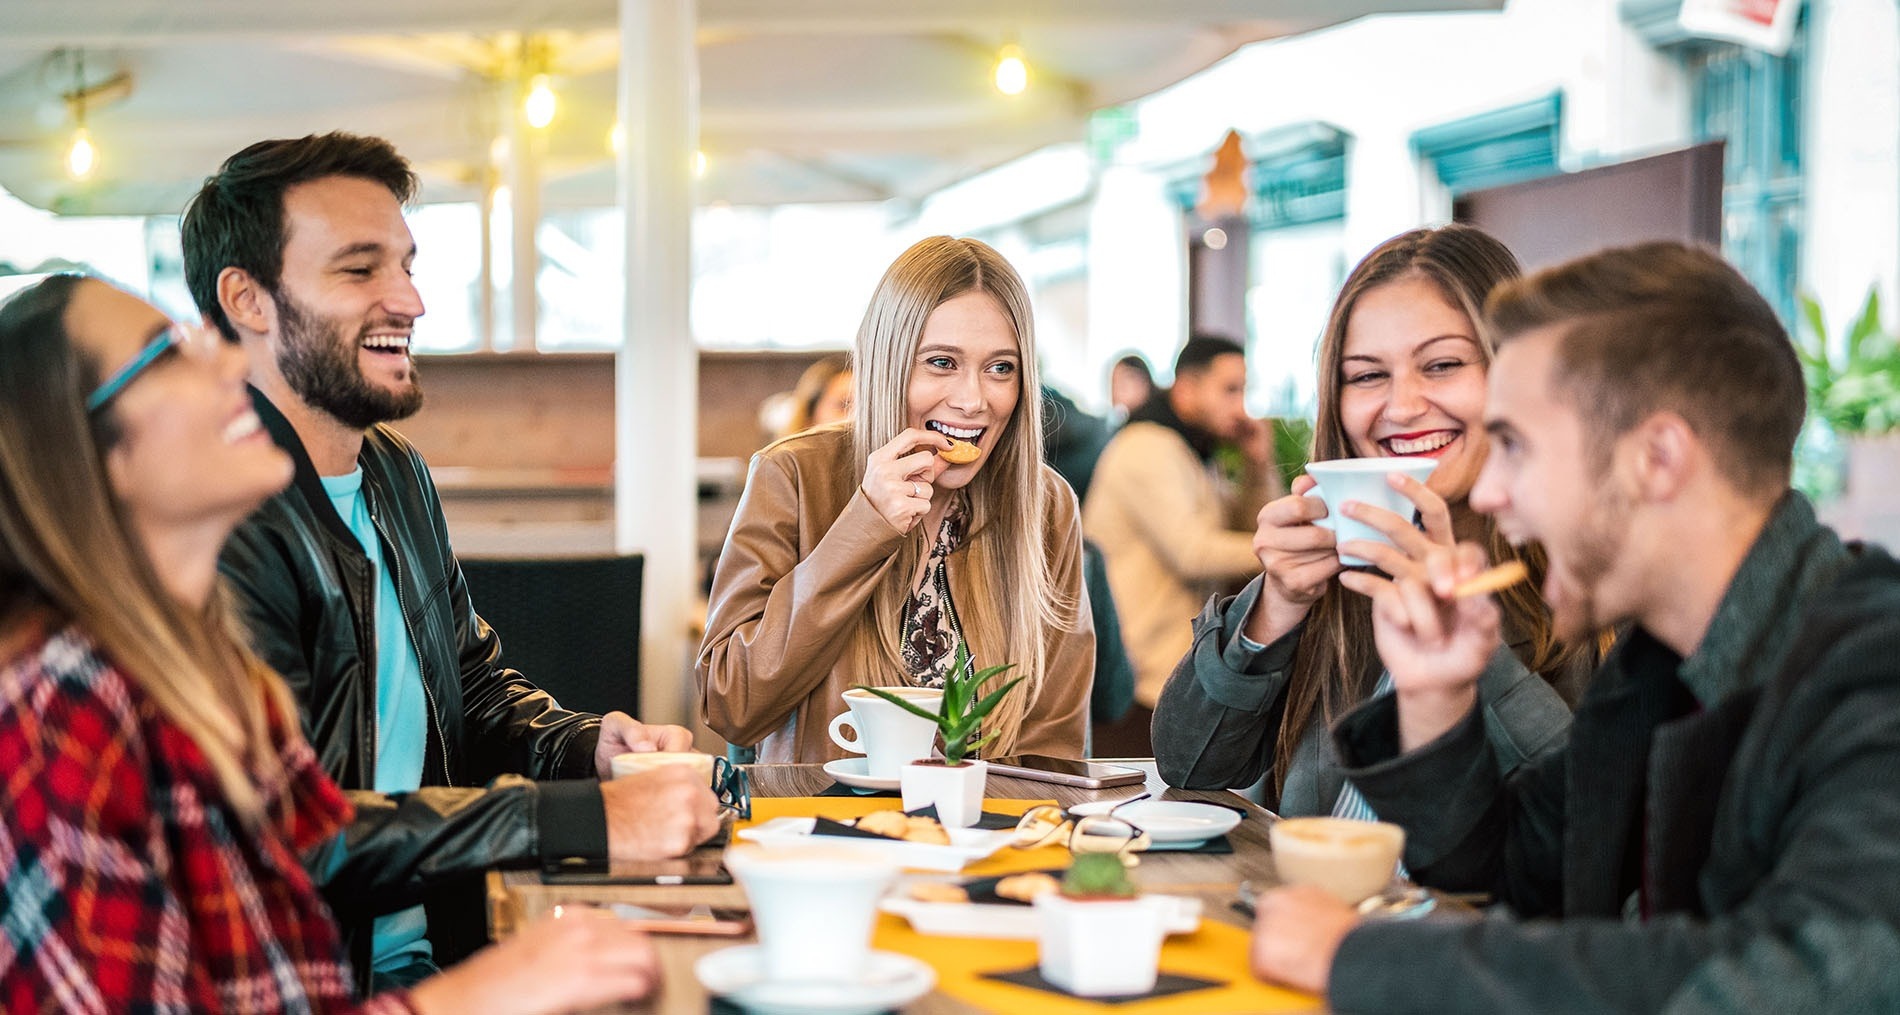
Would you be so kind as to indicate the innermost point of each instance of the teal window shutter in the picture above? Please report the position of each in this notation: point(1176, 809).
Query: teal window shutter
point(1494, 148)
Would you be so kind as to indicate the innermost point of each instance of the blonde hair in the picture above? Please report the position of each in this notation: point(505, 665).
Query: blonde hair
point(1335, 648)
point(810, 388)
point(66, 546)
point(1004, 541)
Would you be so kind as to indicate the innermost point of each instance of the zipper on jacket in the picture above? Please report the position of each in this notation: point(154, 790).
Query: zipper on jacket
point(435, 715)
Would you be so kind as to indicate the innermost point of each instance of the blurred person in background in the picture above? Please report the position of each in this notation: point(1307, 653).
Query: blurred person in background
point(1130, 385)
point(162, 816)
point(1171, 506)
point(858, 555)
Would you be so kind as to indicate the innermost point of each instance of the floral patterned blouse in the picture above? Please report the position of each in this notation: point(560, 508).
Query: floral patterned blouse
point(931, 628)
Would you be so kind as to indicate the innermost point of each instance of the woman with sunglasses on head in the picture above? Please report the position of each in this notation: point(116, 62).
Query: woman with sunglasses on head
point(1402, 366)
point(161, 810)
point(863, 555)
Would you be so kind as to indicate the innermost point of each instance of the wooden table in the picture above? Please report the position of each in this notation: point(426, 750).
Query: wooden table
point(518, 895)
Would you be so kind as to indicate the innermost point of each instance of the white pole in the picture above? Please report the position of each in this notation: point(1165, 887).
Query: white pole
point(656, 374)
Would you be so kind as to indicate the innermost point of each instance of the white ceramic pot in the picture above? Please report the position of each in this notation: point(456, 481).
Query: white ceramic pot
point(956, 790)
point(1100, 947)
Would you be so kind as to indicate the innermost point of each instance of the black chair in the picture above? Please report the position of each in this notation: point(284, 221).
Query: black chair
point(571, 625)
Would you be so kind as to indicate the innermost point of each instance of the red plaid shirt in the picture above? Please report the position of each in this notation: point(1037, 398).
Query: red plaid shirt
point(130, 884)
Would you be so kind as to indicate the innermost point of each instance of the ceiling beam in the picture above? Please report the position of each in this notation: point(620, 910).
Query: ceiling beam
point(30, 23)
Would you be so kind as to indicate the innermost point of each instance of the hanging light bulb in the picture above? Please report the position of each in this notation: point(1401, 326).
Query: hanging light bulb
point(617, 138)
point(1012, 73)
point(82, 156)
point(699, 163)
point(538, 107)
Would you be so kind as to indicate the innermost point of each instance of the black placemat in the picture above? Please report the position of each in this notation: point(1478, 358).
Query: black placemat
point(1166, 985)
point(840, 789)
point(988, 820)
point(1217, 845)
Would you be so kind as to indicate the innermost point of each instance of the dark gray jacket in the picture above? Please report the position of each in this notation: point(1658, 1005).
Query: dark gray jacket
point(1744, 798)
point(1220, 713)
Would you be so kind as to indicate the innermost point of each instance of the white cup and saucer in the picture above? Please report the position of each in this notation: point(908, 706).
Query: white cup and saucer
point(887, 736)
point(813, 911)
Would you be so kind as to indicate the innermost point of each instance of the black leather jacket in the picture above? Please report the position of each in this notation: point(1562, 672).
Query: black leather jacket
point(307, 591)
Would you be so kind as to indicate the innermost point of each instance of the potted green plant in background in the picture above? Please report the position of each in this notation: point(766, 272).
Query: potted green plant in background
point(1849, 449)
point(954, 783)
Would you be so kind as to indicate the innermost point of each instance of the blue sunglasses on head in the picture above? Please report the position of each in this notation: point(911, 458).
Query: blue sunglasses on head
point(176, 336)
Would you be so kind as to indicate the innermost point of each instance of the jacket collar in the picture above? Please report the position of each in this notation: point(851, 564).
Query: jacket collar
point(1753, 628)
point(1160, 412)
point(305, 481)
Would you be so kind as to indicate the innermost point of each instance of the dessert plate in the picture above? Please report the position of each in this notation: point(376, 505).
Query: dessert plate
point(1011, 922)
point(966, 844)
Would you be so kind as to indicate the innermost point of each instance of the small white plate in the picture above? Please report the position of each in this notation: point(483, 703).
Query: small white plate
point(966, 844)
point(889, 981)
point(1017, 923)
point(1168, 820)
point(855, 772)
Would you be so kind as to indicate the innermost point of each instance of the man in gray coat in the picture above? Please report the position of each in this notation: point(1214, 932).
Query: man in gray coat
point(1726, 804)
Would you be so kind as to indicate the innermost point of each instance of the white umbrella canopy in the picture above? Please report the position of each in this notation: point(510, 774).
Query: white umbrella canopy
point(800, 100)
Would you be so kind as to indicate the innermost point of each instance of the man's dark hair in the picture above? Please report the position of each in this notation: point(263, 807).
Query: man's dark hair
point(237, 219)
point(1666, 327)
point(1202, 350)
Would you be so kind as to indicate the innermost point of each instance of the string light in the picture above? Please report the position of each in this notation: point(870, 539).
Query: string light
point(540, 103)
point(1012, 72)
point(81, 157)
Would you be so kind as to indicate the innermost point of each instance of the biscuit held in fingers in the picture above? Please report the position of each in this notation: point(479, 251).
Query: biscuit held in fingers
point(960, 453)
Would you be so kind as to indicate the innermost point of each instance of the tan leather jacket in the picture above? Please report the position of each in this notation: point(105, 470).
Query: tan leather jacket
point(805, 553)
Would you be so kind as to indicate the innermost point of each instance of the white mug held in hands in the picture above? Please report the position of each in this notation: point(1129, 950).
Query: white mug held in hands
point(1363, 480)
point(887, 736)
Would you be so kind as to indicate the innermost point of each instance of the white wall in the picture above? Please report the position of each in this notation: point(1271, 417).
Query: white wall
point(1852, 156)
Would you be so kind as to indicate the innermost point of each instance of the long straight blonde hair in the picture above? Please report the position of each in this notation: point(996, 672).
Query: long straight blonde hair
point(1015, 602)
point(66, 547)
point(1335, 649)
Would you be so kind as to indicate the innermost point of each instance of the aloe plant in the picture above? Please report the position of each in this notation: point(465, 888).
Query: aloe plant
point(960, 715)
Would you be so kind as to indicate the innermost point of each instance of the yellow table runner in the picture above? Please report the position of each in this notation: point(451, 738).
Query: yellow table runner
point(1218, 951)
point(1007, 860)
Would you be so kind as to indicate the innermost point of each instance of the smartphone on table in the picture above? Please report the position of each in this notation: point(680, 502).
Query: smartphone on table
point(701, 919)
point(700, 867)
point(1066, 771)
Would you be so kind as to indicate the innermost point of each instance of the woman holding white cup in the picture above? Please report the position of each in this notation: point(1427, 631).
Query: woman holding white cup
point(1402, 368)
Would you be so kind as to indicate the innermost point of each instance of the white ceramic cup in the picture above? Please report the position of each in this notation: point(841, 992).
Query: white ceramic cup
point(813, 909)
point(1353, 860)
point(886, 735)
point(1363, 480)
point(641, 761)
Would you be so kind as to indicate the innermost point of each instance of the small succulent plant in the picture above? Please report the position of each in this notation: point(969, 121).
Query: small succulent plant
point(960, 715)
point(1098, 876)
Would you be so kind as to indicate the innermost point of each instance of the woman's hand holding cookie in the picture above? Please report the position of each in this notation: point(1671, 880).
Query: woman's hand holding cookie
point(898, 476)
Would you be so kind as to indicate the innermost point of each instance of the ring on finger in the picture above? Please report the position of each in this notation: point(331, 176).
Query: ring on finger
point(916, 491)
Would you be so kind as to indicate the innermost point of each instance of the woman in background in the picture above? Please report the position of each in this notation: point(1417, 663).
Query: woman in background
point(858, 555)
point(1402, 368)
point(822, 395)
point(160, 805)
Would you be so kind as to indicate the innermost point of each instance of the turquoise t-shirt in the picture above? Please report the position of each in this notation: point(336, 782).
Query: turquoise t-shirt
point(402, 713)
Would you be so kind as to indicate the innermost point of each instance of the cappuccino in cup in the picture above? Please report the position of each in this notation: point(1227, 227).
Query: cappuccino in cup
point(889, 737)
point(1352, 860)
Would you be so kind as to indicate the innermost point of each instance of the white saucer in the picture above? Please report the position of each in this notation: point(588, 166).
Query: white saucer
point(855, 772)
point(889, 981)
point(1168, 820)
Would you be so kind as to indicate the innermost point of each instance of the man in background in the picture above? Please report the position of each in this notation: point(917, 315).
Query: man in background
point(1172, 505)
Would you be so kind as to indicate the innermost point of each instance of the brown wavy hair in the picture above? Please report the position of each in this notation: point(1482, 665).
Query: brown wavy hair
point(1335, 651)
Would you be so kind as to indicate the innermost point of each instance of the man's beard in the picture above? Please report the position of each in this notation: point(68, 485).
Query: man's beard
point(322, 368)
point(1594, 550)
